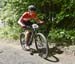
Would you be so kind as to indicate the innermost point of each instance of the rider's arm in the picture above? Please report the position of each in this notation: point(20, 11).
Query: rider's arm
point(20, 23)
point(38, 20)
point(35, 17)
point(21, 19)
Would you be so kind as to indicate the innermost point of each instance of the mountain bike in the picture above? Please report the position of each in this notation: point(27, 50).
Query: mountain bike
point(39, 40)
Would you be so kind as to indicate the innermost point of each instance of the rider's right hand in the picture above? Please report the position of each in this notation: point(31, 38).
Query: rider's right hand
point(24, 27)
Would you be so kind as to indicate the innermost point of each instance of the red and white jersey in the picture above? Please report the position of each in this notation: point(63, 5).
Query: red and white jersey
point(27, 16)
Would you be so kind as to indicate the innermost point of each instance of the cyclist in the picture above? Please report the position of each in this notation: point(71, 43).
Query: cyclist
point(24, 21)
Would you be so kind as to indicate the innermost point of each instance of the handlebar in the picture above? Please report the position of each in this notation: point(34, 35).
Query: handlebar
point(32, 27)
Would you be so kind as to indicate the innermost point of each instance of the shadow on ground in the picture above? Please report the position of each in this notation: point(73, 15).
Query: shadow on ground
point(52, 52)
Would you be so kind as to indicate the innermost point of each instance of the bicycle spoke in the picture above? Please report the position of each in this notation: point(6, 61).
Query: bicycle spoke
point(42, 45)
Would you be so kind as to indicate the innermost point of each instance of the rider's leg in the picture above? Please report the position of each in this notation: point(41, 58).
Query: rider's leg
point(27, 37)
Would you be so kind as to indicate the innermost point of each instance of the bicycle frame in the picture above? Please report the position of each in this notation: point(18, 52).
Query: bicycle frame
point(33, 33)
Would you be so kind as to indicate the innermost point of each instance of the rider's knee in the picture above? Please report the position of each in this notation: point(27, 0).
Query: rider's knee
point(28, 32)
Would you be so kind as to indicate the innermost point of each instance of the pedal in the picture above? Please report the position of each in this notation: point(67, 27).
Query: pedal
point(31, 52)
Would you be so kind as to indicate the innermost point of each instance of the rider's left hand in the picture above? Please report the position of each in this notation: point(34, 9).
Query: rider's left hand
point(41, 22)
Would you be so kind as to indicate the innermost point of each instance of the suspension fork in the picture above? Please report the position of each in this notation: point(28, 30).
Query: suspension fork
point(34, 33)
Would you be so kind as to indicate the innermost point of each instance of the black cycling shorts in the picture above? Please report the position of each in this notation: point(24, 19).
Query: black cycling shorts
point(28, 23)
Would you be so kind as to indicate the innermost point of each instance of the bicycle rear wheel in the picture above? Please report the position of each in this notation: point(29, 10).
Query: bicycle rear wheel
point(22, 40)
point(42, 45)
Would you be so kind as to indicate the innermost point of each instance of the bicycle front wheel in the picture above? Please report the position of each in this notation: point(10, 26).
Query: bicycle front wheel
point(42, 45)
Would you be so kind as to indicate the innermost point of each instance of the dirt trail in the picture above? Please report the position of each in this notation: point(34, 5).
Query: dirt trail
point(12, 53)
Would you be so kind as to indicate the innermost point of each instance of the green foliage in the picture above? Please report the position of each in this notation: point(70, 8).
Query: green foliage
point(56, 14)
point(9, 32)
point(61, 35)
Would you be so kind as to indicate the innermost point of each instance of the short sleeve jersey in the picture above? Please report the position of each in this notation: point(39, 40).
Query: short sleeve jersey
point(27, 16)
